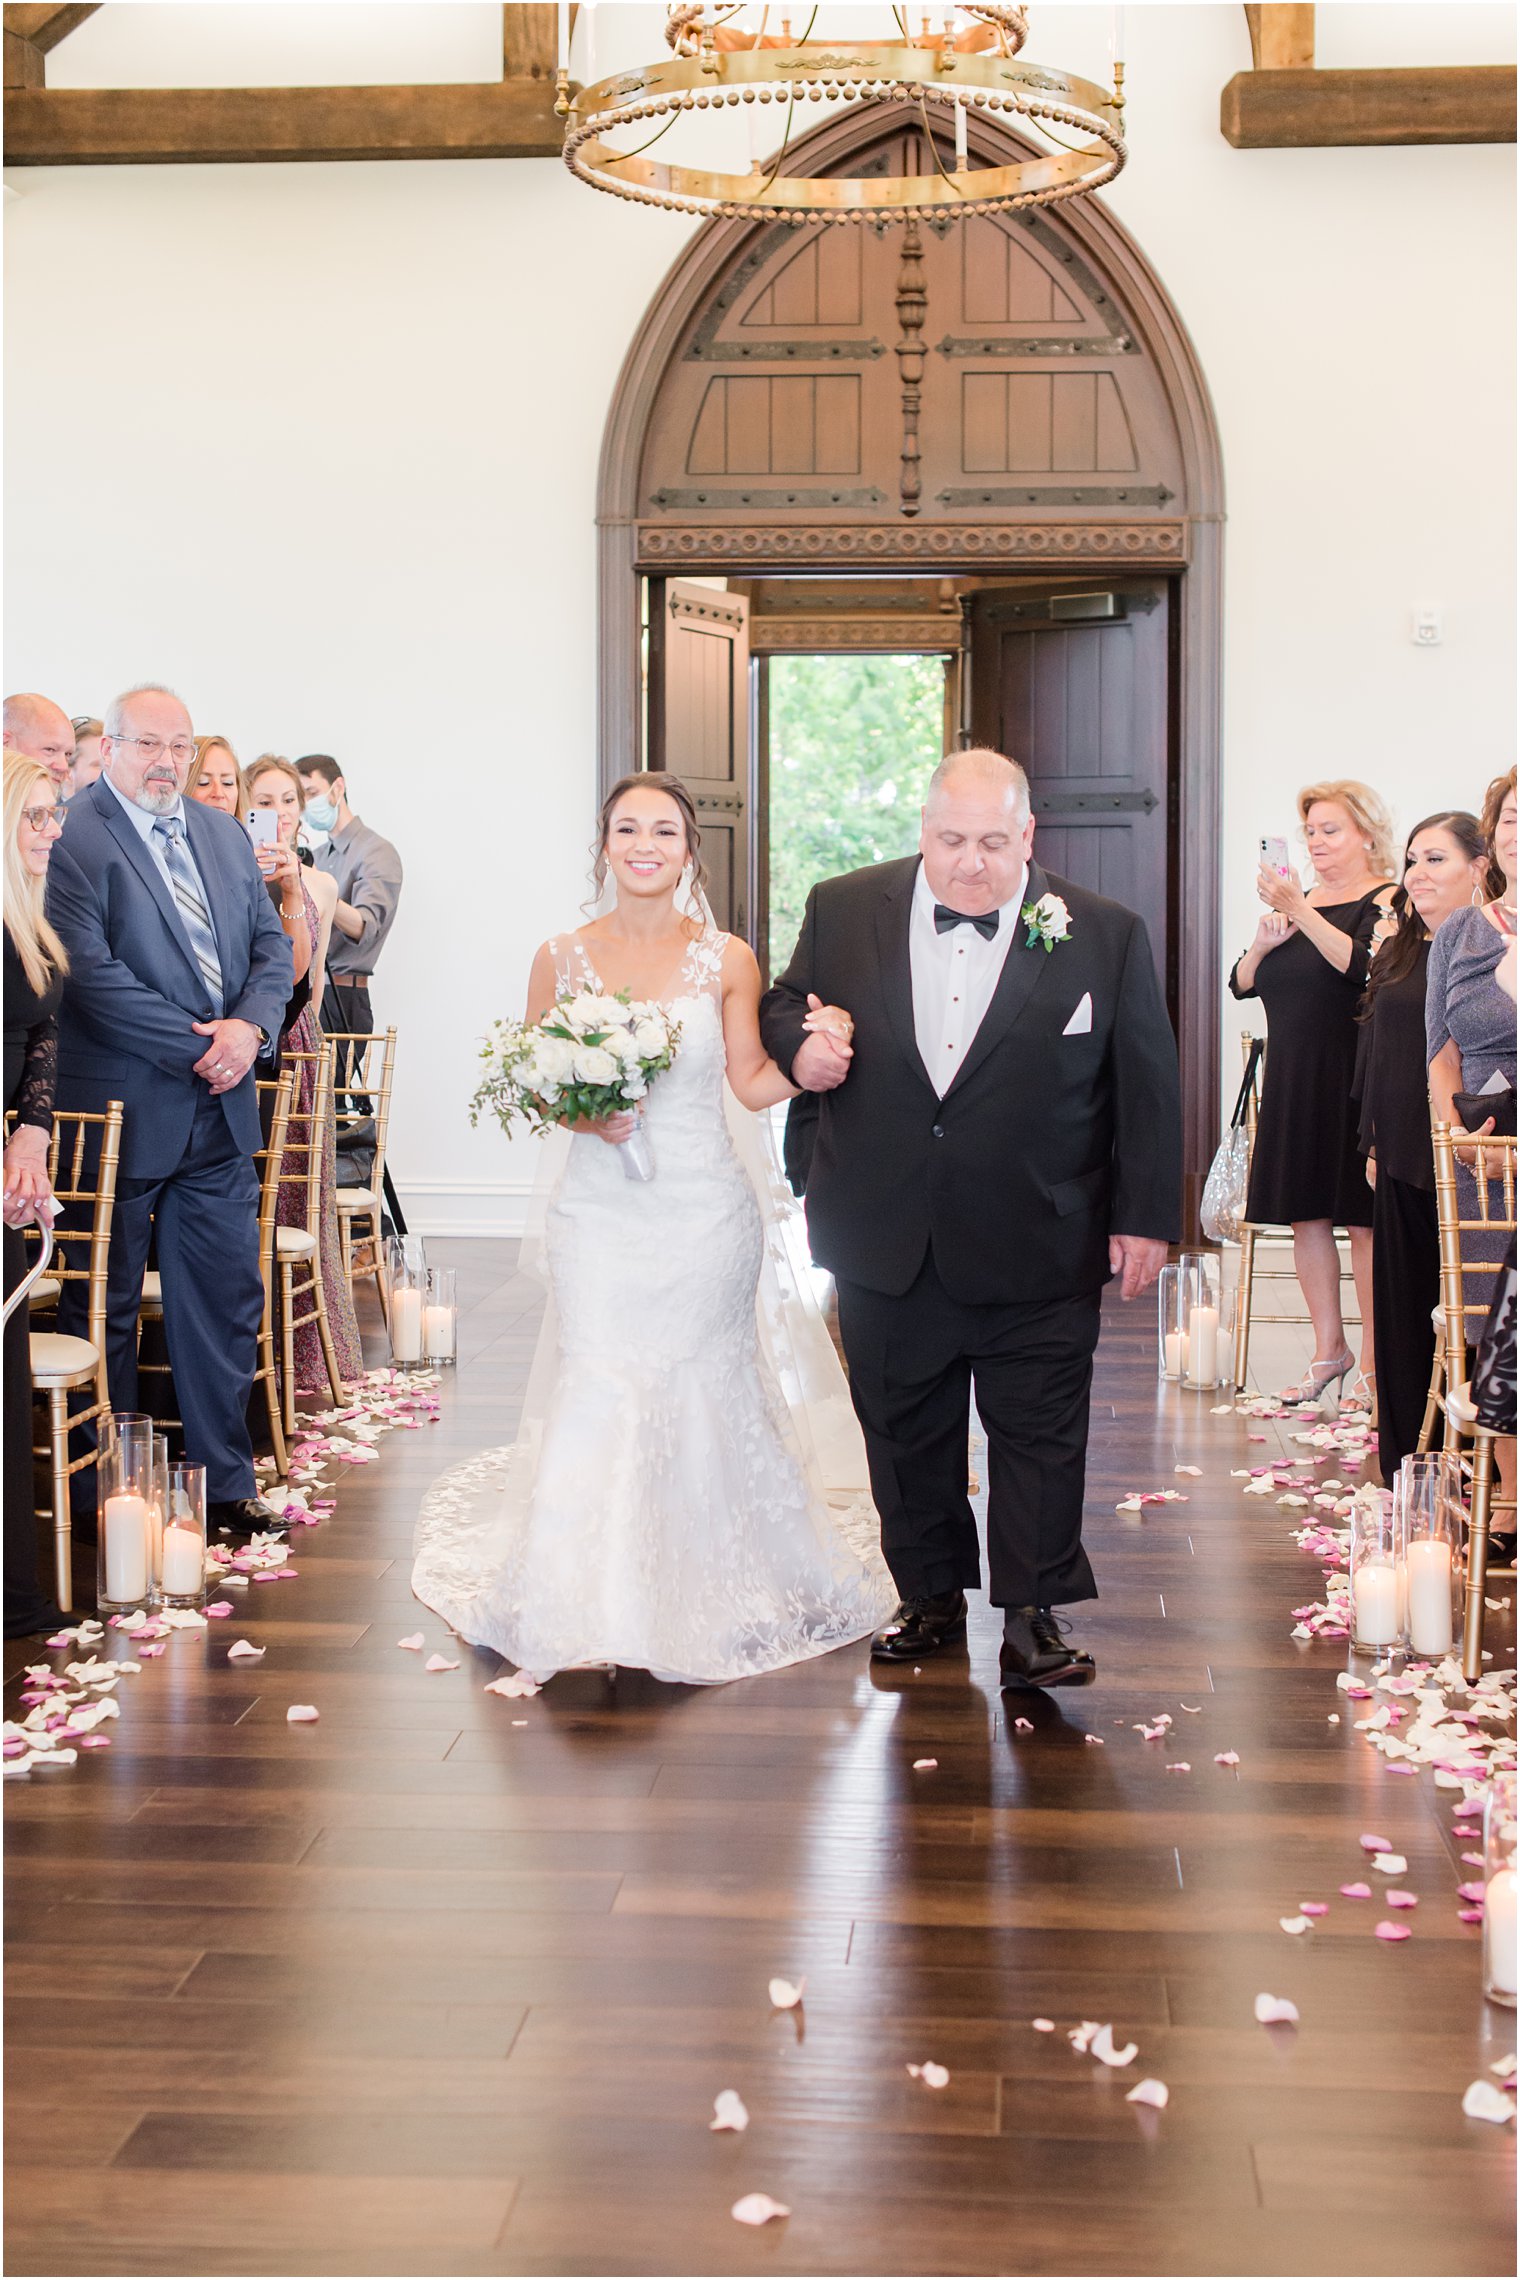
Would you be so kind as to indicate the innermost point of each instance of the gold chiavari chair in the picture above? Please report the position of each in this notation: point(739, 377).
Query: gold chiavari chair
point(83, 1159)
point(275, 1096)
point(1252, 1271)
point(1464, 1308)
point(364, 1064)
point(298, 1249)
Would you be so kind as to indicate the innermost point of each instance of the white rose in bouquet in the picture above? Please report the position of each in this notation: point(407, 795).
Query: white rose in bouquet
point(650, 1037)
point(623, 1043)
point(594, 1065)
point(553, 1061)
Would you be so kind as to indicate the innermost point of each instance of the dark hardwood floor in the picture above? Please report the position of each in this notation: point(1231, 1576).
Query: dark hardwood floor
point(447, 1983)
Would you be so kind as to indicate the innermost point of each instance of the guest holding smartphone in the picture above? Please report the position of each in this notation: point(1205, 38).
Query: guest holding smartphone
point(1308, 965)
point(1444, 862)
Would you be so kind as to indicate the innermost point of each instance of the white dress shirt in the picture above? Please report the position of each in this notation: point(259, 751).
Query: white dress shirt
point(142, 821)
point(954, 977)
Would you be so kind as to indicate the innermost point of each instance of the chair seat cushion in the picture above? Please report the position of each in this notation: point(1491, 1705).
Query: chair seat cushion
point(153, 1288)
point(356, 1199)
point(60, 1361)
point(44, 1292)
point(294, 1242)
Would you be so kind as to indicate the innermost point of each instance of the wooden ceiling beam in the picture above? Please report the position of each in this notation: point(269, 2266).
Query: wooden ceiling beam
point(212, 126)
point(1303, 109)
point(1282, 38)
point(43, 28)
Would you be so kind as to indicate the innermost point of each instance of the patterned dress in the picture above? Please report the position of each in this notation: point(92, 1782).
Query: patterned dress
point(305, 1036)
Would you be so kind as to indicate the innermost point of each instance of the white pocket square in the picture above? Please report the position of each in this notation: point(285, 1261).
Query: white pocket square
point(1081, 1021)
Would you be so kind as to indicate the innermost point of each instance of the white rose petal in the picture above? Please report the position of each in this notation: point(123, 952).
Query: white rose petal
point(729, 2112)
point(784, 1996)
point(758, 2209)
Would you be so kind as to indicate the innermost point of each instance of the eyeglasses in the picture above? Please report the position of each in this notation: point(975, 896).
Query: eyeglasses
point(40, 817)
point(153, 747)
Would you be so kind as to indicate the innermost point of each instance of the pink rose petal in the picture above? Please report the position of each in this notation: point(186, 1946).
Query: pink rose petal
point(1227, 1757)
point(1469, 1915)
point(1391, 1932)
point(516, 1685)
point(94, 1741)
point(148, 1653)
point(1356, 1891)
point(1313, 1908)
point(439, 1662)
point(1401, 1899)
point(1023, 1725)
point(758, 2209)
point(218, 1609)
point(412, 1644)
point(1376, 1844)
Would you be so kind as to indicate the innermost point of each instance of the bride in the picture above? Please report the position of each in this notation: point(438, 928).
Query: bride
point(686, 1493)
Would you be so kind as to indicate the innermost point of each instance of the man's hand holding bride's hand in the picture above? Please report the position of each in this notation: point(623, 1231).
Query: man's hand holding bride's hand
point(824, 1056)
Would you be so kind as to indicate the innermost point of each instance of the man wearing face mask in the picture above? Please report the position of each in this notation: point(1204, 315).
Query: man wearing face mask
point(367, 869)
point(178, 979)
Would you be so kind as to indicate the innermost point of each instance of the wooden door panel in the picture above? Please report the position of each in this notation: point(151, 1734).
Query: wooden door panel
point(699, 729)
point(1083, 707)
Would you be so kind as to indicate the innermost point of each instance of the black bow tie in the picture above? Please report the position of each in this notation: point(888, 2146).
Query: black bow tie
point(945, 918)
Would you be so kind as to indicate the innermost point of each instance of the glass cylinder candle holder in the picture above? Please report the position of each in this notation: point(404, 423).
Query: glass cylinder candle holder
point(1377, 1577)
point(1499, 1891)
point(1171, 1337)
point(406, 1295)
point(440, 1319)
point(1427, 1499)
point(124, 1537)
point(182, 1552)
point(1207, 1320)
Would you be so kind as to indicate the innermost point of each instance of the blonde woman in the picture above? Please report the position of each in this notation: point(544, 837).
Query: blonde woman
point(1308, 964)
point(216, 780)
point(35, 964)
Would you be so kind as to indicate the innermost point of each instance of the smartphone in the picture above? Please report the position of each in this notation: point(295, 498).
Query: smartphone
point(1274, 856)
point(264, 827)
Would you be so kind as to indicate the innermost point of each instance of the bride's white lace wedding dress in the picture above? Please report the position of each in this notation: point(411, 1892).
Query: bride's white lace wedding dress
point(687, 1491)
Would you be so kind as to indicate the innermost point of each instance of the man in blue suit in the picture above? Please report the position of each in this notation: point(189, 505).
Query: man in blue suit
point(179, 975)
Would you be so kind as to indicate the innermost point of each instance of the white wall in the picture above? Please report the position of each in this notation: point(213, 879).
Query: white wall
point(318, 444)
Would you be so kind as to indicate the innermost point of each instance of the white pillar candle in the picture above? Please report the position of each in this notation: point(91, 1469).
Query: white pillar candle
point(406, 1324)
point(1203, 1345)
point(126, 1526)
point(438, 1333)
point(1376, 1596)
point(1174, 1345)
point(1499, 1932)
point(183, 1567)
point(1429, 1566)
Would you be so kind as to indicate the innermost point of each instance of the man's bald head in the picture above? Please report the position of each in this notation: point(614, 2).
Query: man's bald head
point(41, 730)
point(984, 774)
point(977, 830)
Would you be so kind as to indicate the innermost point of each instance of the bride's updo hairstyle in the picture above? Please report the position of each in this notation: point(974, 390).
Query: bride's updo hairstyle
point(650, 780)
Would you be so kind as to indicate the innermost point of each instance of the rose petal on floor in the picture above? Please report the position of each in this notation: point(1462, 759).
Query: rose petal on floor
point(1313, 1908)
point(931, 2074)
point(1227, 1757)
point(1390, 1932)
point(1102, 2047)
point(1356, 1891)
point(1481, 2102)
point(1295, 1923)
point(301, 1714)
point(784, 1995)
point(439, 1662)
point(1150, 2092)
point(516, 1685)
point(729, 2112)
point(758, 2209)
point(219, 1609)
point(1390, 1863)
point(1374, 1844)
point(1276, 2011)
point(1043, 2026)
point(1179, 1766)
point(1401, 1900)
point(412, 1645)
point(241, 1650)
point(925, 1765)
point(1023, 1725)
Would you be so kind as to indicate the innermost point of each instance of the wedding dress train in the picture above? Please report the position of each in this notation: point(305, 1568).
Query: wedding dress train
point(687, 1490)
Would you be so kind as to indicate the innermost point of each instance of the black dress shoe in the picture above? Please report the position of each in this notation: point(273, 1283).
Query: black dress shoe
point(241, 1517)
point(921, 1627)
point(1035, 1653)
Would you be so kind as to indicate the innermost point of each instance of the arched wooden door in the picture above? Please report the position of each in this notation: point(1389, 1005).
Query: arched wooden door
point(1011, 399)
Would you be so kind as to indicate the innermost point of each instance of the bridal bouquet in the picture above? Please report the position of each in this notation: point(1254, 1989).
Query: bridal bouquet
point(590, 1057)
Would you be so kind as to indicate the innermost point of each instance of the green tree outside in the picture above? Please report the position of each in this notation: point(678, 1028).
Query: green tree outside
point(852, 743)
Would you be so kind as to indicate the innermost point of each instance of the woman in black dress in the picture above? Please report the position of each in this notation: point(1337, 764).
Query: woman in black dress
point(1446, 859)
point(35, 964)
point(1308, 965)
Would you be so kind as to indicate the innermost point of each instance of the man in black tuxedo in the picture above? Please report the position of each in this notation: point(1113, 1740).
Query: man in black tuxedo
point(1000, 1136)
point(179, 974)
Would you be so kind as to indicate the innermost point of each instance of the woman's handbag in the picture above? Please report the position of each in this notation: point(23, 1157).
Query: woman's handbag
point(1475, 1110)
point(1224, 1191)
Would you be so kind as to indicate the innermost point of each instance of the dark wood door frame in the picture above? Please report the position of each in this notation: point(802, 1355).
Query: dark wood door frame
point(1187, 545)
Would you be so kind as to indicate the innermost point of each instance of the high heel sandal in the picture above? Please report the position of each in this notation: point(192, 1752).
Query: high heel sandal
point(1319, 1380)
point(1361, 1395)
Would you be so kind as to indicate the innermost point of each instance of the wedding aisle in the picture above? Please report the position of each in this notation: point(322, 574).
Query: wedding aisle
point(445, 1981)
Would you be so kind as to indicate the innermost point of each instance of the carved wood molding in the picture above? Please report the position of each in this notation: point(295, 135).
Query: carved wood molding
point(770, 634)
point(764, 545)
point(912, 309)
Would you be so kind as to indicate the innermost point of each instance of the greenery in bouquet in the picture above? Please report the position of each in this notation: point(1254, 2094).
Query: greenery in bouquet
point(590, 1057)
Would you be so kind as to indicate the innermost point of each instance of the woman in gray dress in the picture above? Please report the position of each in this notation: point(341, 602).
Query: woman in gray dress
point(1470, 1035)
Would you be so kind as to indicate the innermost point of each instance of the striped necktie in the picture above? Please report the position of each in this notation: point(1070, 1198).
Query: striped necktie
point(192, 906)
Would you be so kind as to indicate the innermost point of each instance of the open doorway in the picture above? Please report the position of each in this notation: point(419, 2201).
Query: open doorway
point(846, 745)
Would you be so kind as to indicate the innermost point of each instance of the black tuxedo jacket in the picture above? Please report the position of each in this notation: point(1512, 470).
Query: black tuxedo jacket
point(1045, 1144)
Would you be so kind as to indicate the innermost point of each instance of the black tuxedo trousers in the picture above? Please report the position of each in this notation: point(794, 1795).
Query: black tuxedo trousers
point(968, 1234)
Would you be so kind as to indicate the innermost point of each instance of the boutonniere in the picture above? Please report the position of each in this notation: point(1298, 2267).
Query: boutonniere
point(1048, 921)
